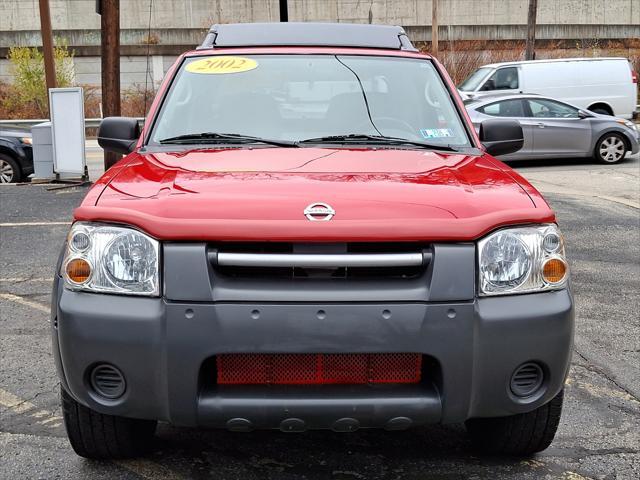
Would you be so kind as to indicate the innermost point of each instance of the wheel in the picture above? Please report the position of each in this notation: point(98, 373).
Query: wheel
point(97, 436)
point(611, 148)
point(601, 111)
point(9, 170)
point(522, 434)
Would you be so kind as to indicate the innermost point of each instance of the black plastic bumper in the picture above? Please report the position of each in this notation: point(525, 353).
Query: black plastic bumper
point(161, 347)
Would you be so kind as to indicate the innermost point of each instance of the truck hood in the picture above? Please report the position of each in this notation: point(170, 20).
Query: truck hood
point(261, 193)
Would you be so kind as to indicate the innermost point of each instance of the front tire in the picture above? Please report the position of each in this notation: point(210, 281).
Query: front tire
point(9, 170)
point(98, 436)
point(521, 435)
point(611, 148)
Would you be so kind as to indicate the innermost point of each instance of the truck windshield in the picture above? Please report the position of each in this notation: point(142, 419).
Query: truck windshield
point(473, 81)
point(293, 98)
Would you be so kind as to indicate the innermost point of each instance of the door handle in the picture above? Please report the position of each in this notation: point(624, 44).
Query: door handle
point(541, 125)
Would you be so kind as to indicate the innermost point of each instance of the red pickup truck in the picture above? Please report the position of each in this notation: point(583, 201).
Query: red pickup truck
point(308, 233)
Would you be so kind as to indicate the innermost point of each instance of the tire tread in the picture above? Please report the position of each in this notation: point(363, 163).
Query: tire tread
point(98, 436)
point(523, 434)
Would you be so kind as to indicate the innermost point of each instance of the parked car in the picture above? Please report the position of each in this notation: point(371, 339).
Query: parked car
point(308, 233)
point(554, 129)
point(608, 86)
point(16, 156)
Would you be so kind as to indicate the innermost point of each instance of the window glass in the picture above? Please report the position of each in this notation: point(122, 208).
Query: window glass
point(503, 79)
point(296, 97)
point(473, 81)
point(550, 109)
point(506, 108)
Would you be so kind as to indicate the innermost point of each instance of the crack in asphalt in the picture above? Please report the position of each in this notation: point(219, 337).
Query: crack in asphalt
point(595, 368)
point(29, 400)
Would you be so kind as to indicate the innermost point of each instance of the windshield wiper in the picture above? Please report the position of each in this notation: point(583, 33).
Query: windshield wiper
point(212, 137)
point(360, 137)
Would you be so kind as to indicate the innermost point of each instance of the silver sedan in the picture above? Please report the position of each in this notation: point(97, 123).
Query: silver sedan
point(554, 129)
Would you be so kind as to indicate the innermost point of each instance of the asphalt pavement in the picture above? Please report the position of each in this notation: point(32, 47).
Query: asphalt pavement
point(599, 437)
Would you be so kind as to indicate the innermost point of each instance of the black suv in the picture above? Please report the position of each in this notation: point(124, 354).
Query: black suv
point(16, 155)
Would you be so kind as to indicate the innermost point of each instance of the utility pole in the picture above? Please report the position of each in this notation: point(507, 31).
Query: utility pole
point(531, 30)
point(434, 27)
point(47, 44)
point(110, 52)
point(284, 11)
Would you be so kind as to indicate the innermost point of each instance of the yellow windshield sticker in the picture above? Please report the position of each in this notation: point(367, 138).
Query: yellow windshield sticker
point(222, 65)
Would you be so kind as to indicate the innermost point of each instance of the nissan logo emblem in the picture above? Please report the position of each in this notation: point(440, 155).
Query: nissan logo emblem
point(319, 212)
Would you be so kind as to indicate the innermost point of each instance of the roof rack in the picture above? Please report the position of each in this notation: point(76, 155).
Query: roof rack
point(307, 35)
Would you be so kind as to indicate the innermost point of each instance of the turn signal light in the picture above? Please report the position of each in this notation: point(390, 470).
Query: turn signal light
point(554, 270)
point(78, 270)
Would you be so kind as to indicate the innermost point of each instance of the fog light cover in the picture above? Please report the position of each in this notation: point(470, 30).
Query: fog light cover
point(527, 380)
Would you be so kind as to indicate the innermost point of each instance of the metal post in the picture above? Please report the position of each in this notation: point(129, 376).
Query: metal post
point(110, 51)
point(530, 53)
point(284, 11)
point(47, 44)
point(434, 27)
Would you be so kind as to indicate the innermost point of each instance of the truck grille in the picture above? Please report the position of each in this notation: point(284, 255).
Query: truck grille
point(317, 261)
point(320, 368)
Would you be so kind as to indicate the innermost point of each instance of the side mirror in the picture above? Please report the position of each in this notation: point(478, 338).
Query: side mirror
point(118, 134)
point(582, 114)
point(501, 137)
point(488, 86)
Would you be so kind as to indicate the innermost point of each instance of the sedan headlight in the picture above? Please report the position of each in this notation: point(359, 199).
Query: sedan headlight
point(627, 123)
point(520, 260)
point(111, 259)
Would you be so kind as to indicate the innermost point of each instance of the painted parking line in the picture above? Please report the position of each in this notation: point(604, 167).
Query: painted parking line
point(148, 469)
point(601, 391)
point(19, 406)
point(32, 224)
point(143, 468)
point(27, 303)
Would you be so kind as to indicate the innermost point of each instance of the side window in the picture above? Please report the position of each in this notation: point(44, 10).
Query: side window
point(506, 108)
point(550, 109)
point(502, 79)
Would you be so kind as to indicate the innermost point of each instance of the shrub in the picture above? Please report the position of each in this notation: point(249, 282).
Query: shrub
point(136, 101)
point(29, 89)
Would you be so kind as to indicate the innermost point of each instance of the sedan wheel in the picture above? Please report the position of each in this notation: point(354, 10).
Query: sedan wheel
point(9, 171)
point(611, 149)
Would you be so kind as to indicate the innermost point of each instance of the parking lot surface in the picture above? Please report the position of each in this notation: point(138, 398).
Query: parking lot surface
point(599, 211)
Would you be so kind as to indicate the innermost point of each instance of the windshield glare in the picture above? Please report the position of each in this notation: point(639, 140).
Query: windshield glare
point(297, 97)
point(473, 81)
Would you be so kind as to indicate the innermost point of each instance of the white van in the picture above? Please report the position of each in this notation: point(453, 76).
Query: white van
point(602, 85)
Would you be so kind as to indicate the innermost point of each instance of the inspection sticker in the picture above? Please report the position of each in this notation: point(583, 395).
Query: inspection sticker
point(436, 132)
point(222, 65)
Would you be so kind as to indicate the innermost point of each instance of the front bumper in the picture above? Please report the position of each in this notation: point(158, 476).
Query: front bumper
point(633, 137)
point(162, 348)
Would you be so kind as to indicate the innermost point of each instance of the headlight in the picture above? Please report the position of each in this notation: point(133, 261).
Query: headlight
point(110, 259)
point(627, 123)
point(523, 259)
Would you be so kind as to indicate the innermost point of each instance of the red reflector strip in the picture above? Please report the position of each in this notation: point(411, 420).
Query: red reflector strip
point(318, 368)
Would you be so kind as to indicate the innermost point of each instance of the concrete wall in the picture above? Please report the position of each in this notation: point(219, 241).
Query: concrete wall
point(183, 22)
point(179, 25)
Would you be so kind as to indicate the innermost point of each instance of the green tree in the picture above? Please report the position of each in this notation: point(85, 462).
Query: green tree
point(29, 86)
